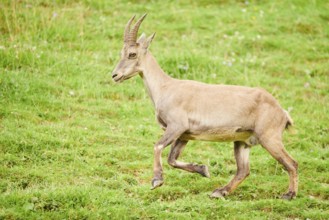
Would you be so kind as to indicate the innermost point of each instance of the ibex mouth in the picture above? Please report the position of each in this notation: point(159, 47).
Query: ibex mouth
point(118, 80)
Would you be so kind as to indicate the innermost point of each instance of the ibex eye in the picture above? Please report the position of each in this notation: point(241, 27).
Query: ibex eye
point(132, 55)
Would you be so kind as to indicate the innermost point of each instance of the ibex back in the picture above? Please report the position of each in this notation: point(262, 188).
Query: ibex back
point(190, 110)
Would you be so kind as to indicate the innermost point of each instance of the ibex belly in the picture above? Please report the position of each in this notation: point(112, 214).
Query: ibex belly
point(222, 135)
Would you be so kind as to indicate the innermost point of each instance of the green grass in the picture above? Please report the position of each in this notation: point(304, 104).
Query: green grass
point(75, 145)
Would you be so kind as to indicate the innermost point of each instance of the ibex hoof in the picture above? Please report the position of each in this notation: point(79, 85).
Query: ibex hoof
point(204, 171)
point(219, 193)
point(156, 183)
point(289, 195)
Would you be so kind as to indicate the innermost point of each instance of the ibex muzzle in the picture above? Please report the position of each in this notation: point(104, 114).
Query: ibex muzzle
point(189, 110)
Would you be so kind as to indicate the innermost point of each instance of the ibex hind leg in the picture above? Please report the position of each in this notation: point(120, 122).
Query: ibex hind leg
point(241, 153)
point(276, 148)
point(176, 149)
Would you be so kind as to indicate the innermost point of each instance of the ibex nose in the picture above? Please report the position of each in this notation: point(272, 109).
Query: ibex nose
point(114, 75)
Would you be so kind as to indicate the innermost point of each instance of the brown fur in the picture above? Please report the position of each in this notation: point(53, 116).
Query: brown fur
point(190, 110)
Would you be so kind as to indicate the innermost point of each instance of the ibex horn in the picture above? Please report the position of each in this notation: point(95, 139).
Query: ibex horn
point(133, 33)
point(127, 29)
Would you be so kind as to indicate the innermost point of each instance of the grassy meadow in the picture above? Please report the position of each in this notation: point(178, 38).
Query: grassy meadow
point(75, 145)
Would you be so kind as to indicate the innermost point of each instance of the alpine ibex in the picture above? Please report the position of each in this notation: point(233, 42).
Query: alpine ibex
point(190, 110)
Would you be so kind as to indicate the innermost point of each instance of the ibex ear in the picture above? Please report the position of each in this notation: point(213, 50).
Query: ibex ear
point(148, 41)
point(141, 39)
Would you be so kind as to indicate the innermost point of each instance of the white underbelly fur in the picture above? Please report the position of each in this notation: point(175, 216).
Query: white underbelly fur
point(222, 135)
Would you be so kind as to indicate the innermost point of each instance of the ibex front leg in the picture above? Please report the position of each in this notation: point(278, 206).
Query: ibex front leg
point(169, 136)
point(176, 149)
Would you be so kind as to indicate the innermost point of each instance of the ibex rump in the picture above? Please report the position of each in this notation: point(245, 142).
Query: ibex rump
point(190, 110)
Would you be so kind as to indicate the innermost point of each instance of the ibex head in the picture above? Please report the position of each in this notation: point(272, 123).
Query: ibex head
point(132, 53)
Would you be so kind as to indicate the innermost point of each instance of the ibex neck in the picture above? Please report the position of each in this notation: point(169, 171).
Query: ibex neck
point(155, 79)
